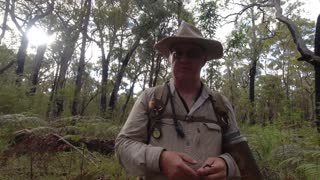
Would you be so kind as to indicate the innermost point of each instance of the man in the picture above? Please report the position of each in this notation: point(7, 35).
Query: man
point(182, 130)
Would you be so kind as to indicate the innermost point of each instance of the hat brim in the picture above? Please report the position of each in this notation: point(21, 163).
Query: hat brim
point(213, 48)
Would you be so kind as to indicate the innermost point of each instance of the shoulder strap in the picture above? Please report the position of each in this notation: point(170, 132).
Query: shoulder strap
point(157, 106)
point(220, 109)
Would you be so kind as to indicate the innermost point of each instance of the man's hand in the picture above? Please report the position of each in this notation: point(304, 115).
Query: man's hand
point(214, 168)
point(174, 165)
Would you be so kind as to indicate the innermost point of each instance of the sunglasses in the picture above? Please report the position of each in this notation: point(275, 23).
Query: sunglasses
point(191, 53)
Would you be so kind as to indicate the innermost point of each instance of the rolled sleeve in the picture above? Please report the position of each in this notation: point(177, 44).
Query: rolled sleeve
point(232, 135)
point(153, 157)
point(233, 170)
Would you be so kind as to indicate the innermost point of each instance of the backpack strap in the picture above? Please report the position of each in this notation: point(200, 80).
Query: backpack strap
point(177, 125)
point(220, 109)
point(156, 107)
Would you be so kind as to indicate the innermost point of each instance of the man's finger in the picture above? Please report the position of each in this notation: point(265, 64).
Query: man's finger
point(203, 171)
point(187, 158)
point(207, 169)
point(188, 171)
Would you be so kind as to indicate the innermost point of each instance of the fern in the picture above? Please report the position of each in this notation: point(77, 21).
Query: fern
point(311, 171)
point(306, 165)
point(293, 161)
point(313, 153)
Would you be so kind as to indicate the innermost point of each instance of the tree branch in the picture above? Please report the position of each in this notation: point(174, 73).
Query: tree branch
point(13, 17)
point(246, 7)
point(307, 55)
point(5, 18)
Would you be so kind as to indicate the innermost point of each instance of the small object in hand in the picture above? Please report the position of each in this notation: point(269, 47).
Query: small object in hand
point(207, 165)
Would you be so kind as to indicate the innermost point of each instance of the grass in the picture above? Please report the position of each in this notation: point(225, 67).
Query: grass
point(65, 165)
point(281, 151)
point(285, 153)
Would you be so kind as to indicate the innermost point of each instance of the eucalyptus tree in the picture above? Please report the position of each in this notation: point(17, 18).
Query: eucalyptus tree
point(306, 54)
point(156, 66)
point(69, 25)
point(293, 73)
point(146, 16)
point(109, 18)
point(208, 21)
point(256, 24)
point(33, 12)
point(4, 25)
point(236, 74)
point(272, 9)
point(269, 98)
point(75, 110)
point(40, 55)
point(133, 71)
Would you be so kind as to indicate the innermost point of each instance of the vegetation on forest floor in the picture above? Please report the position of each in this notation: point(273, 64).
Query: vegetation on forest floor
point(282, 153)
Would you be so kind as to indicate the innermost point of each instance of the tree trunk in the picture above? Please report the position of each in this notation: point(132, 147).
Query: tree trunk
point(21, 58)
point(105, 70)
point(38, 63)
point(36, 68)
point(157, 70)
point(70, 38)
point(114, 94)
point(85, 102)
point(130, 93)
point(252, 78)
point(59, 97)
point(81, 66)
point(104, 78)
point(21, 55)
point(57, 104)
point(256, 47)
point(317, 73)
point(317, 89)
point(252, 75)
point(179, 11)
point(49, 113)
point(152, 69)
point(5, 18)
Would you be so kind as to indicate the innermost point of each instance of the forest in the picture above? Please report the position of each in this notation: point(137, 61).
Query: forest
point(67, 88)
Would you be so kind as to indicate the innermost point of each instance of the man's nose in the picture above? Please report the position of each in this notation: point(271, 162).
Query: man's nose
point(184, 57)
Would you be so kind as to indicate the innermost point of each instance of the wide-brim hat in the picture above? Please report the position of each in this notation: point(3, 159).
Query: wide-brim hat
point(188, 33)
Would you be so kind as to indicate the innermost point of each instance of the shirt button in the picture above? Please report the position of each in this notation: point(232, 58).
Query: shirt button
point(188, 143)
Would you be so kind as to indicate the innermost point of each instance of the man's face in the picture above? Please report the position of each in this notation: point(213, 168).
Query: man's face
point(187, 61)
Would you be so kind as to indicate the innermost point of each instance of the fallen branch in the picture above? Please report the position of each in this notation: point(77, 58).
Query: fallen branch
point(77, 149)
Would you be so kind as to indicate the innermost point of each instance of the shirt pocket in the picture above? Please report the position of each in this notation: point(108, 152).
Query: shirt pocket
point(212, 127)
point(208, 141)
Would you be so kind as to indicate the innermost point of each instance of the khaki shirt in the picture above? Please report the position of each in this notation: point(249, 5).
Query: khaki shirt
point(202, 140)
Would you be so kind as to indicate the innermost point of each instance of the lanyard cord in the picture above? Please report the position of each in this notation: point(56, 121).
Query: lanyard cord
point(177, 125)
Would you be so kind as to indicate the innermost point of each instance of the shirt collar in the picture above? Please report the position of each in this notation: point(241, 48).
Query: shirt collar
point(204, 94)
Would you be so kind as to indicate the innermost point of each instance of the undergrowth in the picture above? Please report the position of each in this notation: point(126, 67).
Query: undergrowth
point(66, 165)
point(282, 150)
point(285, 153)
